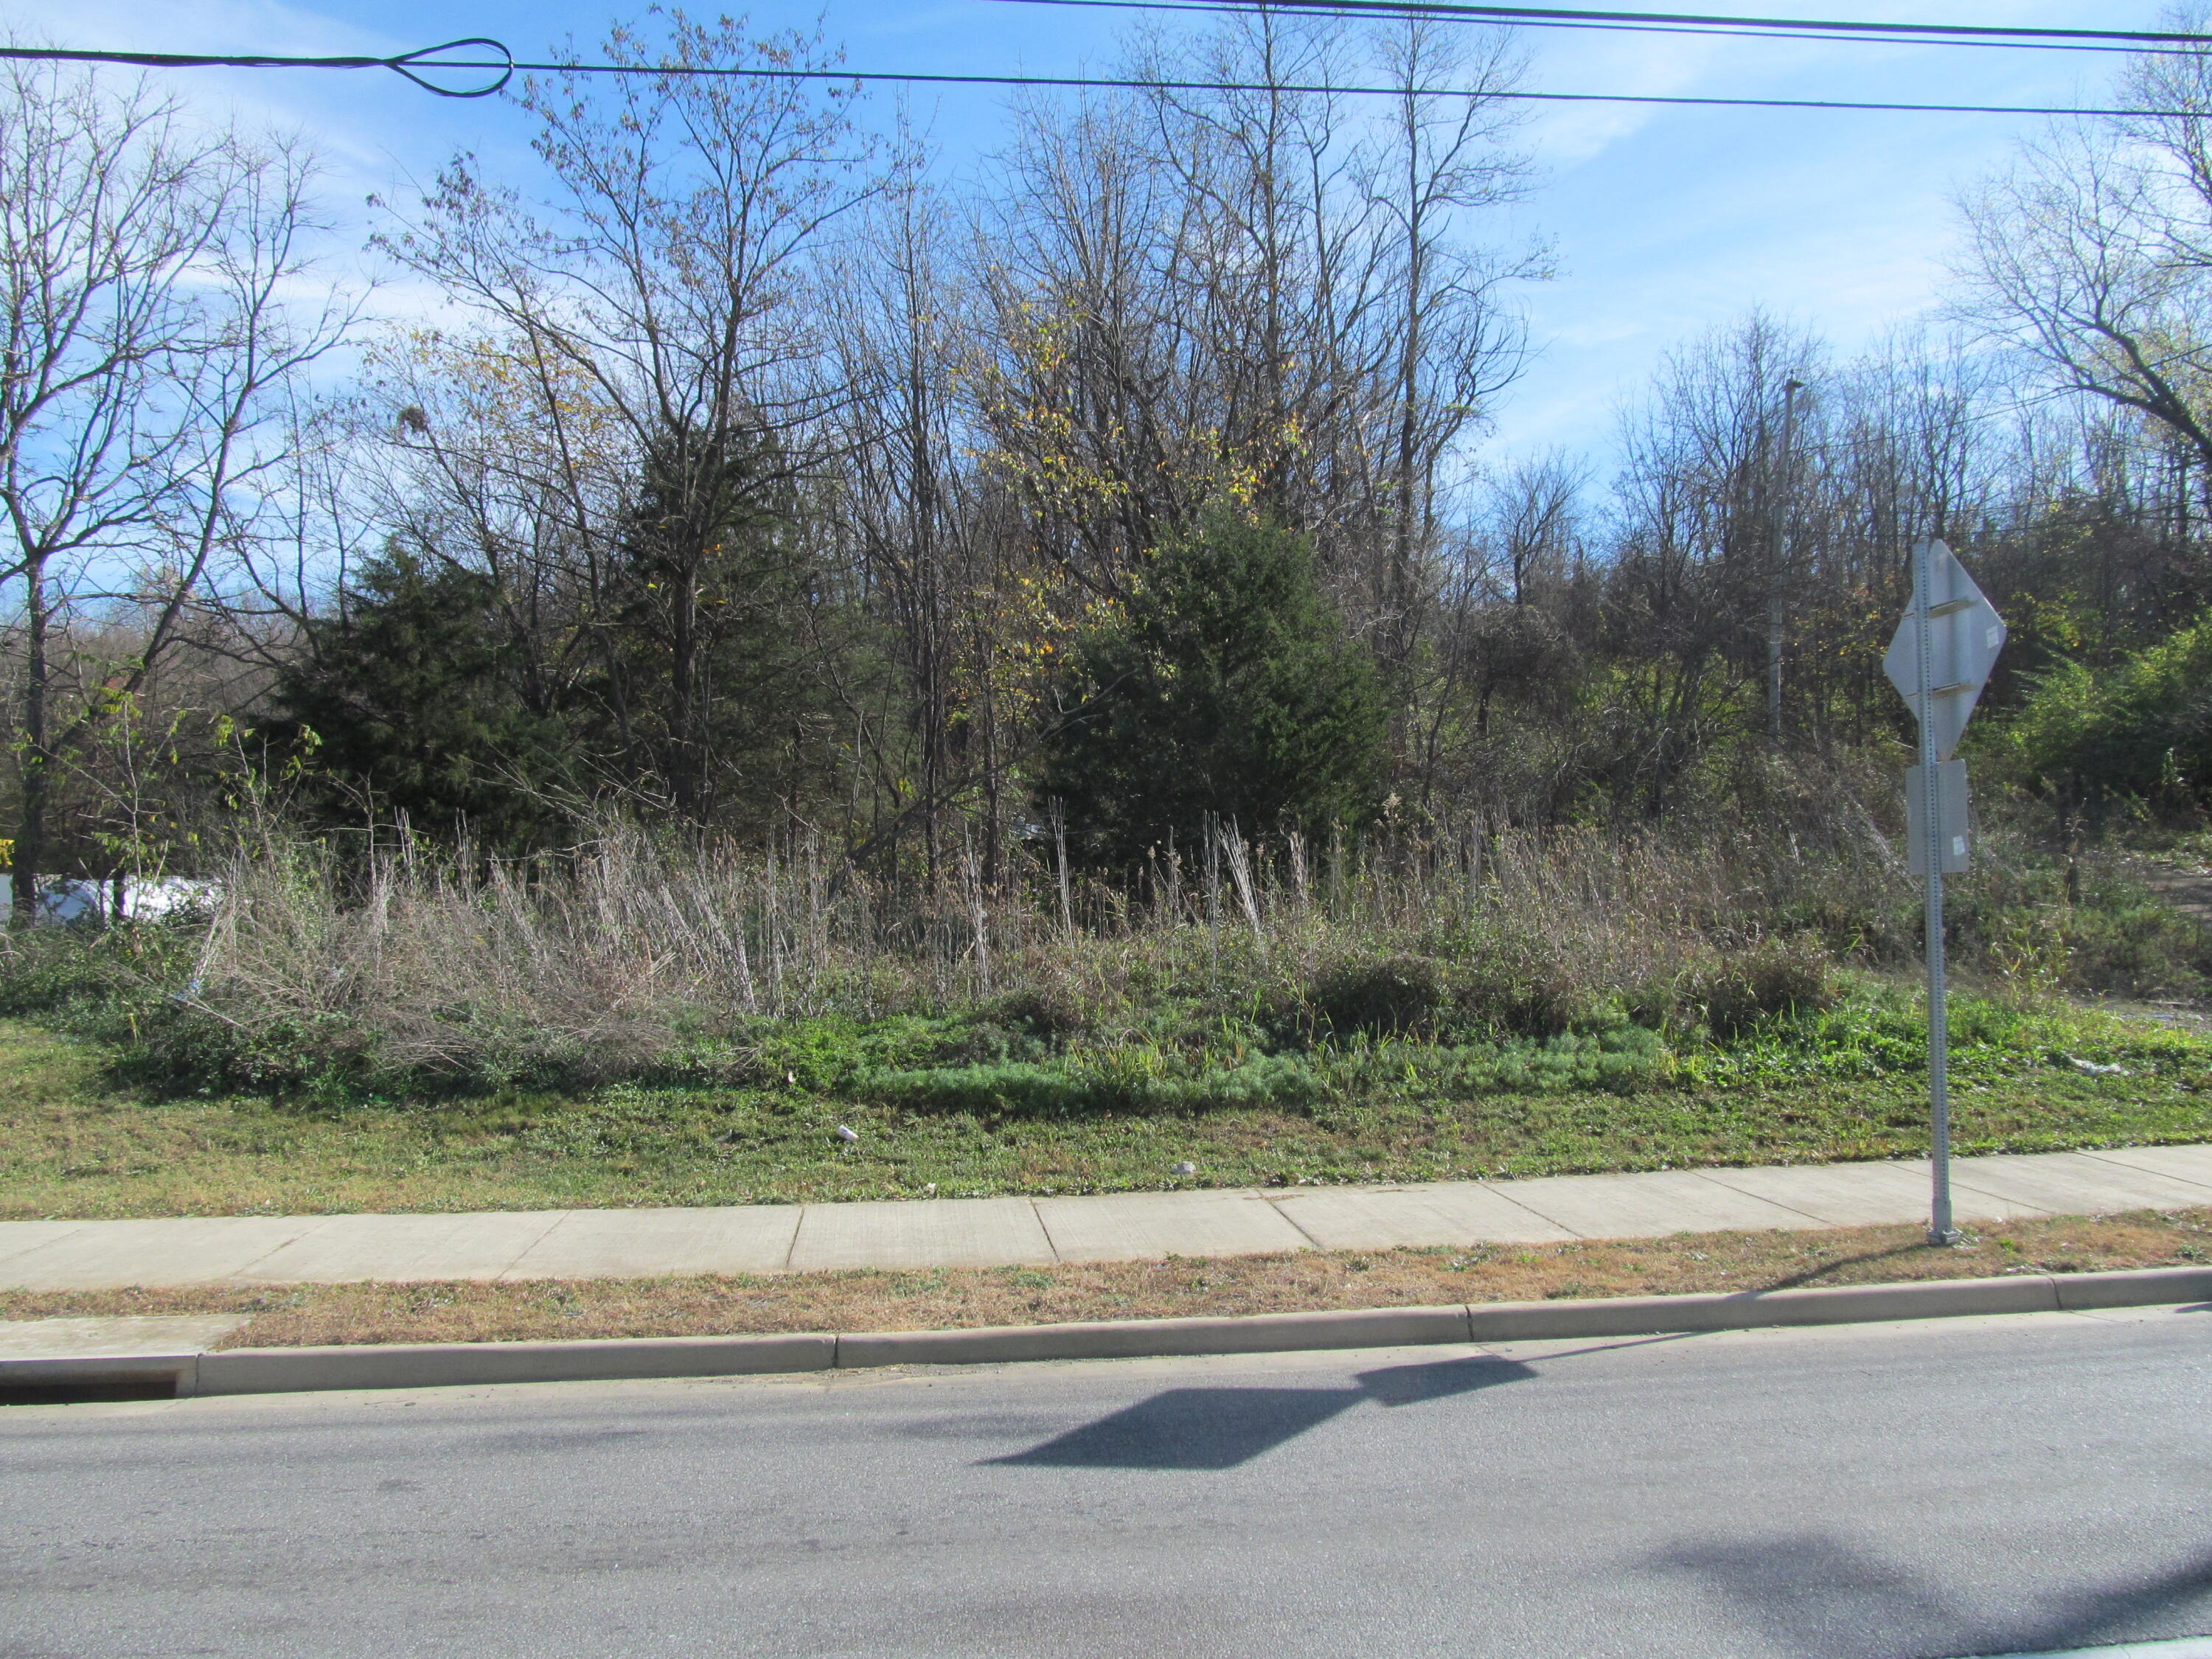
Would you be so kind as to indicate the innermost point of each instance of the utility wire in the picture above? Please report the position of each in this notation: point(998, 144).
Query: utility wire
point(1147, 84)
point(405, 65)
point(1389, 8)
point(506, 66)
point(1556, 14)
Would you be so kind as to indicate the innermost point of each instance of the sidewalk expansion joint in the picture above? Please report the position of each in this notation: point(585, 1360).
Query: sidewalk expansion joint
point(550, 1228)
point(243, 1273)
point(1275, 1203)
point(1044, 1232)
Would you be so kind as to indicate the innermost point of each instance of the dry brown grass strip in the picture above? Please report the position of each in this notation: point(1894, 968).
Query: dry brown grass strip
point(941, 1299)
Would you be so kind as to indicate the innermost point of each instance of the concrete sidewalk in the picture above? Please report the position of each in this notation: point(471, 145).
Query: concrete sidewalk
point(54, 1256)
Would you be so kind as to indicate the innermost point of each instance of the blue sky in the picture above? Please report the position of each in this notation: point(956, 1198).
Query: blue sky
point(1665, 222)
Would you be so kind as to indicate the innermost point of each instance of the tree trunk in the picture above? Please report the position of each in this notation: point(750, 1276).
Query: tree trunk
point(30, 859)
point(683, 714)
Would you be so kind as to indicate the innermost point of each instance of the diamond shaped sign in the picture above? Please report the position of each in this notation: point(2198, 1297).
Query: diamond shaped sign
point(1964, 635)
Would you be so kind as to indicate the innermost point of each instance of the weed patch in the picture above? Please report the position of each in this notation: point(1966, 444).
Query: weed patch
point(1101, 1114)
point(954, 1299)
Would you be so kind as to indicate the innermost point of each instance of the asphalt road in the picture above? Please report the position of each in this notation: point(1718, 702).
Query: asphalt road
point(1955, 1487)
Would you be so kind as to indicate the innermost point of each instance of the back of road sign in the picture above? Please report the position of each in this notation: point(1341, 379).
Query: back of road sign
point(1965, 634)
point(1939, 661)
point(1951, 819)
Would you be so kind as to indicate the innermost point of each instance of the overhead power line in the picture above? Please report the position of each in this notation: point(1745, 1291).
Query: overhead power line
point(1138, 83)
point(1558, 14)
point(415, 65)
point(406, 63)
point(1654, 23)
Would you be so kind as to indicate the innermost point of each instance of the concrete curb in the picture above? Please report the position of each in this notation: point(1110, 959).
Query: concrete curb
point(1136, 1338)
point(439, 1364)
point(287, 1370)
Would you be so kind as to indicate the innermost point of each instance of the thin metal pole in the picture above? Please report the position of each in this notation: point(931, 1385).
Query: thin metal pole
point(1779, 492)
point(1774, 673)
point(1940, 1230)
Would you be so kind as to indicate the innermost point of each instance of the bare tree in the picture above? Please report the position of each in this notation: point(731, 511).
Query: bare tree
point(661, 296)
point(147, 267)
point(907, 500)
point(1456, 348)
point(1502, 629)
point(1269, 292)
point(2091, 252)
point(1695, 569)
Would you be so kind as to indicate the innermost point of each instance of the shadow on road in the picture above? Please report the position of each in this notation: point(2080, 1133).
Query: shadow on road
point(1823, 1598)
point(1820, 1598)
point(1438, 1379)
point(2177, 1603)
point(1221, 1428)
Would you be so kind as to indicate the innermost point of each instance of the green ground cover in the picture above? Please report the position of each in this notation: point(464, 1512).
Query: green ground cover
point(969, 1106)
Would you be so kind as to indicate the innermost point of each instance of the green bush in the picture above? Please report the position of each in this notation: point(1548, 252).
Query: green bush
point(1778, 976)
point(46, 971)
point(1138, 1079)
point(1228, 689)
point(2138, 947)
point(2142, 729)
point(1497, 984)
point(1391, 995)
point(1050, 1010)
point(1620, 1060)
point(131, 986)
point(1102, 1082)
point(1520, 986)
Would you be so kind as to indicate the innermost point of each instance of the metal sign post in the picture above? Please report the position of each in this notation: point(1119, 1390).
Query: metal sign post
point(1940, 1230)
point(1939, 660)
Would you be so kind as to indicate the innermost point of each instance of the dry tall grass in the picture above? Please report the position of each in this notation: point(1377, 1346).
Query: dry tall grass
point(633, 956)
point(612, 959)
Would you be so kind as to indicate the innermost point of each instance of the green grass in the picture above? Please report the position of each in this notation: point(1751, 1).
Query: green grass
point(956, 1106)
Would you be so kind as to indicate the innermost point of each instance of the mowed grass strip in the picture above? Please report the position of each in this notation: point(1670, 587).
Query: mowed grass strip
point(74, 1143)
point(951, 1299)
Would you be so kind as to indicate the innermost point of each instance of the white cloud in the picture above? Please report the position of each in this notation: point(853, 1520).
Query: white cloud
point(1647, 66)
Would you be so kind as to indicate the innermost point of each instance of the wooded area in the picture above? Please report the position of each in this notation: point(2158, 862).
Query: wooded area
point(761, 480)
